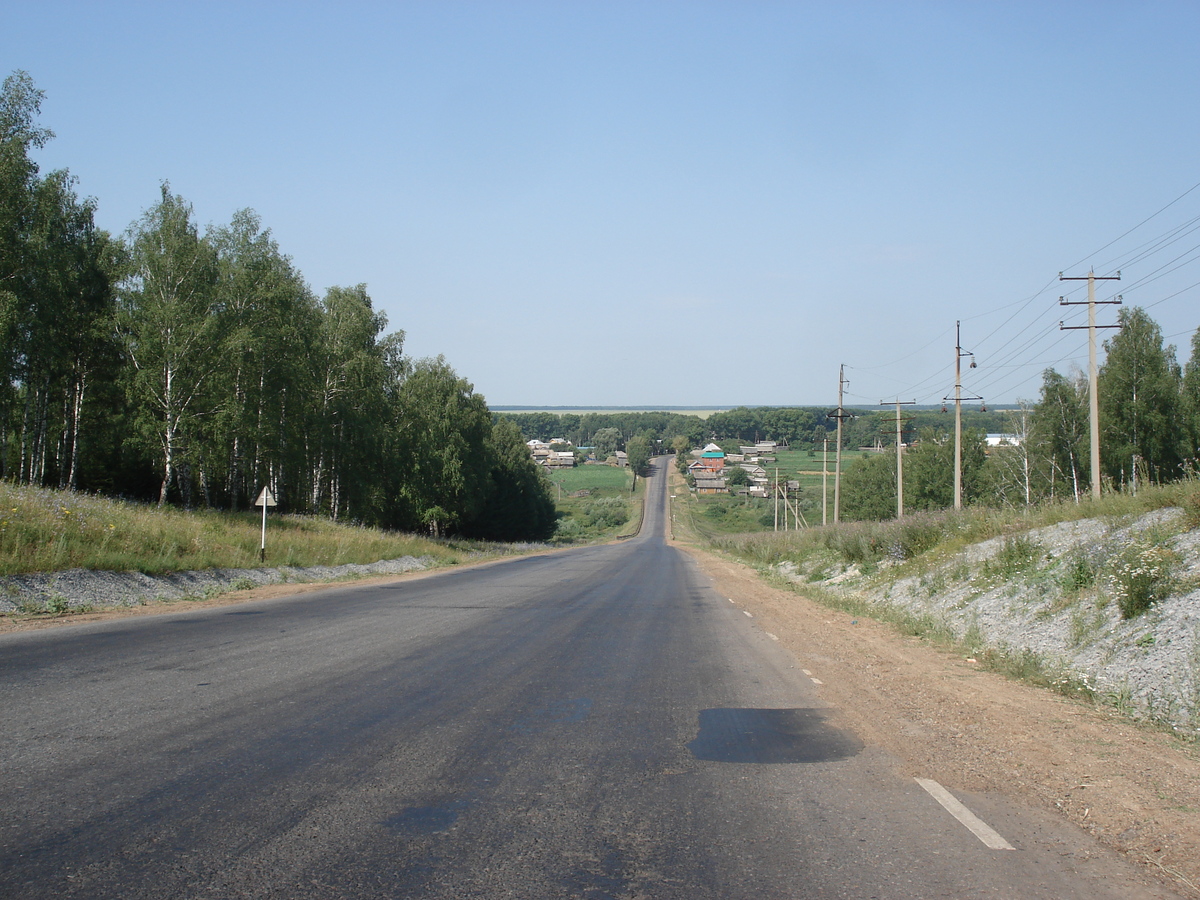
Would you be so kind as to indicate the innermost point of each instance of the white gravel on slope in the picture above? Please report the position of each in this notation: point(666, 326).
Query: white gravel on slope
point(1149, 664)
point(86, 588)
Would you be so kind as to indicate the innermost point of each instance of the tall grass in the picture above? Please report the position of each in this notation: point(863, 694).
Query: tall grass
point(45, 530)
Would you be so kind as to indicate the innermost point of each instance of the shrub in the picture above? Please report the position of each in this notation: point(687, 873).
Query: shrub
point(1016, 556)
point(1191, 508)
point(607, 512)
point(1142, 574)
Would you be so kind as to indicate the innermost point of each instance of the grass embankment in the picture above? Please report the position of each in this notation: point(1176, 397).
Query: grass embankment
point(935, 536)
point(596, 503)
point(46, 531)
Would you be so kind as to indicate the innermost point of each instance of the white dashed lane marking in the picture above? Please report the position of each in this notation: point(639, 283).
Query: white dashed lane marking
point(970, 821)
point(749, 614)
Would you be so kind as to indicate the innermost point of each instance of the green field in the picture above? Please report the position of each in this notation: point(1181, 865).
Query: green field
point(594, 502)
point(806, 469)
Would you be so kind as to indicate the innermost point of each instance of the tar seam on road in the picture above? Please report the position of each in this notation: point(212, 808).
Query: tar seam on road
point(972, 822)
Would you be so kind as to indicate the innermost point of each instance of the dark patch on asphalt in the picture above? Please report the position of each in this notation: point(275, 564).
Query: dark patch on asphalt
point(556, 712)
point(436, 819)
point(770, 736)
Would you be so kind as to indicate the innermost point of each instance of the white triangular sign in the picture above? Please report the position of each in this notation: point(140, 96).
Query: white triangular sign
point(265, 498)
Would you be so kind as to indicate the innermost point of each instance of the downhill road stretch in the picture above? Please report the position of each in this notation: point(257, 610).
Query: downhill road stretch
point(592, 723)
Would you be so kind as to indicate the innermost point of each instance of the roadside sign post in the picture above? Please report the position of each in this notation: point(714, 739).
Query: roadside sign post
point(265, 499)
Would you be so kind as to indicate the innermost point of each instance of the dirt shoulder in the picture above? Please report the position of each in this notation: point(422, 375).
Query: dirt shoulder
point(1135, 789)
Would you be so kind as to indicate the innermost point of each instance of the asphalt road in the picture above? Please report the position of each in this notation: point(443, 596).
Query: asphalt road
point(596, 723)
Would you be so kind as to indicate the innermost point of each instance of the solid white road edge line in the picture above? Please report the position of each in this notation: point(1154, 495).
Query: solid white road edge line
point(972, 822)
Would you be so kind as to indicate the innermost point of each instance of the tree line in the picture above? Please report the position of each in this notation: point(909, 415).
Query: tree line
point(191, 366)
point(1149, 433)
point(1149, 419)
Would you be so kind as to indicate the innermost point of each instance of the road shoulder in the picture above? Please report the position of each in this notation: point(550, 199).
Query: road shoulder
point(1136, 790)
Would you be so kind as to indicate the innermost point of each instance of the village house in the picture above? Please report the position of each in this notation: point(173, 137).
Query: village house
point(706, 484)
point(712, 458)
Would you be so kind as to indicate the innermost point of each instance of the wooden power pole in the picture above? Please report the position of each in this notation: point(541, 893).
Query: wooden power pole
point(1093, 371)
point(837, 465)
point(959, 353)
point(824, 480)
point(899, 456)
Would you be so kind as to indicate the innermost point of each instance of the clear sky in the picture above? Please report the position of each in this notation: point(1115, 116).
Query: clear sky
point(658, 203)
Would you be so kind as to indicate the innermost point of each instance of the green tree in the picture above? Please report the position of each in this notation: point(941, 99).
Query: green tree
point(869, 488)
point(737, 477)
point(443, 468)
point(67, 328)
point(1015, 474)
point(20, 105)
point(1190, 403)
point(1059, 430)
point(519, 505)
point(274, 326)
point(929, 471)
point(606, 441)
point(1139, 386)
point(354, 373)
point(637, 449)
point(172, 329)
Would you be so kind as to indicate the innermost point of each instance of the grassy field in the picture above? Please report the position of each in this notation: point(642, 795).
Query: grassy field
point(595, 502)
point(45, 531)
point(807, 469)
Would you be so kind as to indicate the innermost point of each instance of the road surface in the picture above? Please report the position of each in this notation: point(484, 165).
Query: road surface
point(596, 723)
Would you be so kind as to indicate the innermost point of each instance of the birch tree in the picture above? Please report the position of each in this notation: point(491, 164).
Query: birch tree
point(1139, 388)
point(172, 329)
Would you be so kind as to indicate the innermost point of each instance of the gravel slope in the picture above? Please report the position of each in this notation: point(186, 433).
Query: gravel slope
point(1023, 600)
point(86, 589)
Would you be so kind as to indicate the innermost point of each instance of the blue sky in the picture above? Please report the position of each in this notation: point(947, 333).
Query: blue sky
point(664, 203)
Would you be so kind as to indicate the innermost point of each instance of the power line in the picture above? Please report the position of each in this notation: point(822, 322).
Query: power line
point(1135, 227)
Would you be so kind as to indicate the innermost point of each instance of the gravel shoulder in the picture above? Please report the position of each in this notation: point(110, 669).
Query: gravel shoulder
point(1134, 788)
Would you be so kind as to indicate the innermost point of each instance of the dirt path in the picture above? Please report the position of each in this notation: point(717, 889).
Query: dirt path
point(1136, 790)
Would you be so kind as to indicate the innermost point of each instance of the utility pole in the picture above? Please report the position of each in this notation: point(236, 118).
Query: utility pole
point(1093, 371)
point(824, 480)
point(959, 353)
point(837, 466)
point(775, 498)
point(899, 456)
